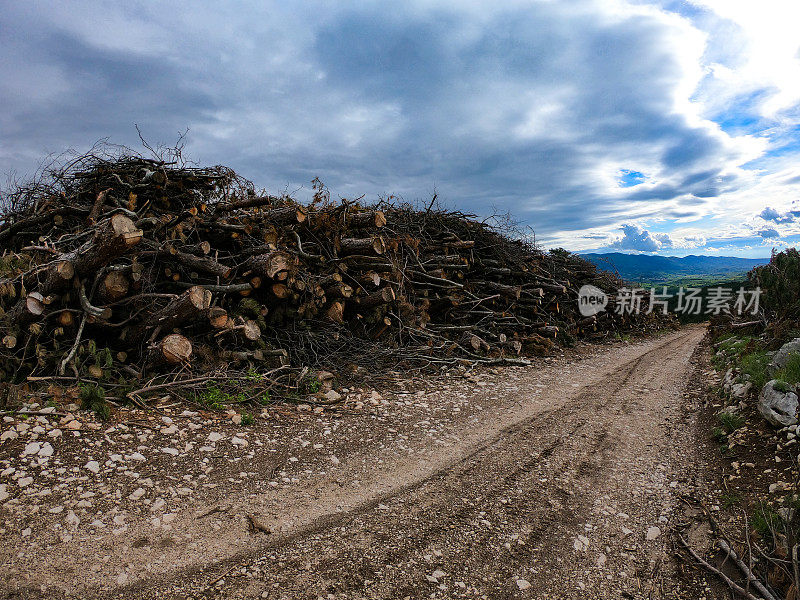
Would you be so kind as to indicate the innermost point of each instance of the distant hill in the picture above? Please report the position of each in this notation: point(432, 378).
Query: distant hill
point(650, 268)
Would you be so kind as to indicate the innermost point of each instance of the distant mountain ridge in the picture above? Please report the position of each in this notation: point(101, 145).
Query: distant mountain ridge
point(647, 267)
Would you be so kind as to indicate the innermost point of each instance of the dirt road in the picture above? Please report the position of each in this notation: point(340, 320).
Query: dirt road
point(559, 481)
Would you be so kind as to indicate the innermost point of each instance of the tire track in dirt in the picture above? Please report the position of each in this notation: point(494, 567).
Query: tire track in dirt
point(523, 477)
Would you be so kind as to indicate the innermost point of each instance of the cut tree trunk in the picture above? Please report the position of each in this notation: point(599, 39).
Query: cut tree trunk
point(115, 286)
point(366, 246)
point(270, 264)
point(189, 306)
point(382, 296)
point(370, 220)
point(335, 312)
point(174, 349)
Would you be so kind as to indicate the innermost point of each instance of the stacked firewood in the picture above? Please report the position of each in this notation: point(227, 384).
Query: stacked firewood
point(144, 267)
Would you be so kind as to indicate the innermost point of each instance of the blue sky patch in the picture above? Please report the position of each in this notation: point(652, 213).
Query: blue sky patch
point(630, 178)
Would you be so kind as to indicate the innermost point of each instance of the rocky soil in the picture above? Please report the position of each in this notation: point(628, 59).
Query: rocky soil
point(560, 480)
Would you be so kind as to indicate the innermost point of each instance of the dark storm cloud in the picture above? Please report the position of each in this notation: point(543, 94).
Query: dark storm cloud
point(510, 108)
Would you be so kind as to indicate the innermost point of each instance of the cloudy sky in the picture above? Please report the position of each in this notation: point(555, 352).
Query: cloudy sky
point(669, 127)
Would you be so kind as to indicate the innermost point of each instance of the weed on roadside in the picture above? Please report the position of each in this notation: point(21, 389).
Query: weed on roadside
point(730, 422)
point(93, 398)
point(791, 372)
point(755, 365)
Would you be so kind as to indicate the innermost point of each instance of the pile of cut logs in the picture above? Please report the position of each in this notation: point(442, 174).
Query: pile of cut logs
point(140, 267)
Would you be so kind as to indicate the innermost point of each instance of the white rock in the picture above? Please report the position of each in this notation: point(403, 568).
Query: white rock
point(172, 451)
point(72, 520)
point(782, 356)
point(8, 435)
point(46, 450)
point(215, 436)
point(137, 493)
point(26, 532)
point(169, 430)
point(653, 533)
point(137, 456)
point(335, 460)
point(776, 406)
point(93, 466)
point(523, 584)
point(237, 441)
point(333, 396)
point(32, 448)
point(24, 481)
point(581, 543)
point(438, 574)
point(55, 433)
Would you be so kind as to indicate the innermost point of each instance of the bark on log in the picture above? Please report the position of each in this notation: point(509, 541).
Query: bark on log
point(367, 246)
point(286, 215)
point(509, 291)
point(189, 306)
point(476, 343)
point(382, 296)
point(270, 264)
point(339, 290)
point(371, 219)
point(203, 264)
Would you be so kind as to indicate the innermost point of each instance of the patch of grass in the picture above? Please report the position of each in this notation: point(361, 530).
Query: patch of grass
point(755, 364)
point(791, 372)
point(730, 500)
point(311, 385)
point(93, 398)
point(213, 397)
point(248, 419)
point(254, 375)
point(265, 399)
point(766, 521)
point(719, 435)
point(730, 422)
point(782, 386)
point(622, 337)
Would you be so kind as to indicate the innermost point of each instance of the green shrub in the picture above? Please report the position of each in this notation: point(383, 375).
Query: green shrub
point(782, 386)
point(766, 521)
point(730, 422)
point(719, 435)
point(213, 397)
point(93, 398)
point(791, 372)
point(730, 500)
point(248, 419)
point(755, 365)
